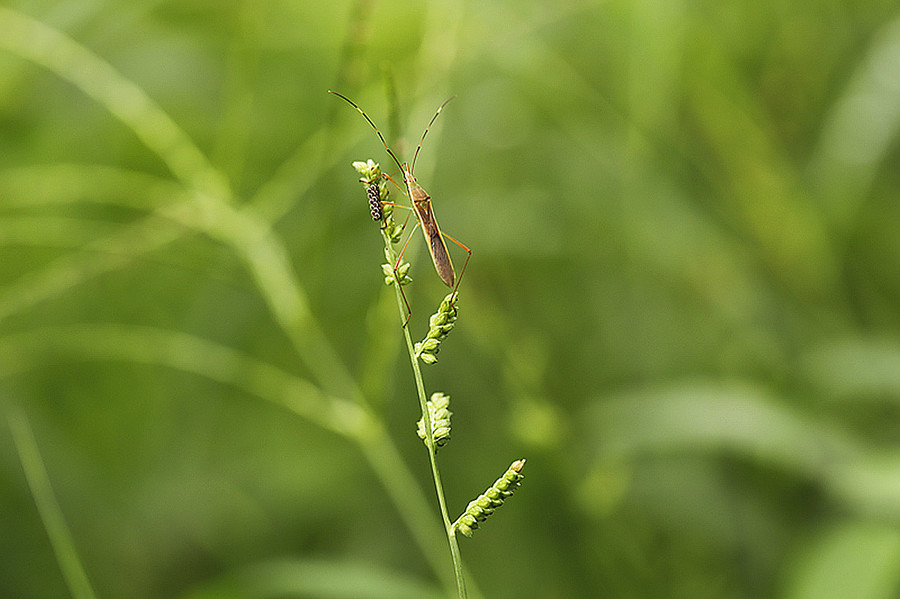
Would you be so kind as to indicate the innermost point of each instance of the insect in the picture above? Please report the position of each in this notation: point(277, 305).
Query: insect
point(421, 203)
point(375, 206)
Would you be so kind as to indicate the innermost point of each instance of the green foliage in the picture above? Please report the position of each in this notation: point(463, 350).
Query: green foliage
point(681, 303)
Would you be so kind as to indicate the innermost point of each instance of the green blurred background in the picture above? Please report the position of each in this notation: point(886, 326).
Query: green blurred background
point(683, 305)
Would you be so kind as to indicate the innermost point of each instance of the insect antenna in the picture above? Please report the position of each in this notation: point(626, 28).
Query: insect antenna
point(380, 136)
point(412, 168)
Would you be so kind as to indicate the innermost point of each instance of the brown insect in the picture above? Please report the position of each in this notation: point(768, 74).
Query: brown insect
point(421, 203)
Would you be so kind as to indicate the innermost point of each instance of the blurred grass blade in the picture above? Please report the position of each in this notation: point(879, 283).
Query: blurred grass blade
point(855, 368)
point(51, 514)
point(246, 231)
point(50, 231)
point(316, 579)
point(735, 417)
point(182, 351)
point(61, 183)
point(100, 256)
point(862, 128)
point(745, 421)
point(68, 59)
point(850, 561)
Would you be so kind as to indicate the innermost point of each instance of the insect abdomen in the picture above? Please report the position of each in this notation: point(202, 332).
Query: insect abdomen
point(441, 258)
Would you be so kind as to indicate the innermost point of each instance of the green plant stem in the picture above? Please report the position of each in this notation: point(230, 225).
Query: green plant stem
point(48, 508)
point(429, 434)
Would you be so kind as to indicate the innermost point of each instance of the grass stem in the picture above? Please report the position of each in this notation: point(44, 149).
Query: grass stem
point(429, 433)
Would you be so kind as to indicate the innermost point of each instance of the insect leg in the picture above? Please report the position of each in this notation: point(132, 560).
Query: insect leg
point(397, 275)
point(465, 264)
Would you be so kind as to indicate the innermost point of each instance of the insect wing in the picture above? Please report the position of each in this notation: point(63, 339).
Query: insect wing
point(439, 254)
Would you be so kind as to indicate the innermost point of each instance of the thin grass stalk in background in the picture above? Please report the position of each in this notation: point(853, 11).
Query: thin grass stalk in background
point(51, 514)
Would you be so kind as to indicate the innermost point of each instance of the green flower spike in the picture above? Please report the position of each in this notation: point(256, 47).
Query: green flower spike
point(490, 500)
point(370, 170)
point(402, 273)
point(439, 413)
point(439, 326)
